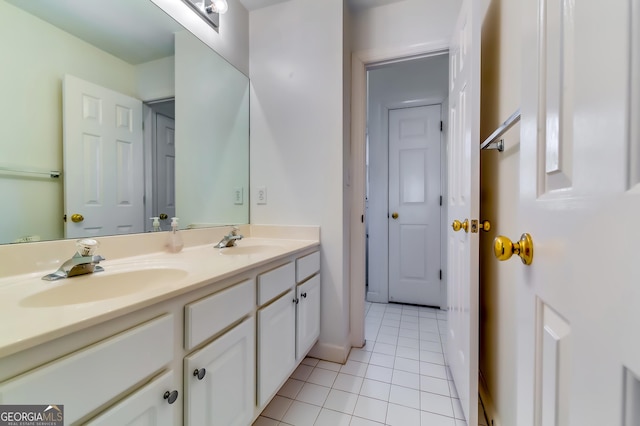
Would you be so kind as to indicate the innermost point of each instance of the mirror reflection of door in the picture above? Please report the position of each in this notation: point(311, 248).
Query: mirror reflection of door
point(163, 192)
point(103, 160)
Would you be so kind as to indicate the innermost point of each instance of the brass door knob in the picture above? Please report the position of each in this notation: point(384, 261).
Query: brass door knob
point(77, 218)
point(504, 248)
point(485, 225)
point(457, 225)
point(394, 215)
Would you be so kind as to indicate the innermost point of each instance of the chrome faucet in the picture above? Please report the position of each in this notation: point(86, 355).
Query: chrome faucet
point(83, 262)
point(230, 239)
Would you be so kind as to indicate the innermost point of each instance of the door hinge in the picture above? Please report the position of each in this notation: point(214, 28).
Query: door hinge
point(441, 200)
point(362, 218)
point(441, 125)
point(440, 274)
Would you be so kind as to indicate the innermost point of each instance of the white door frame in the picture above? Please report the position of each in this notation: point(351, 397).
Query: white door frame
point(359, 62)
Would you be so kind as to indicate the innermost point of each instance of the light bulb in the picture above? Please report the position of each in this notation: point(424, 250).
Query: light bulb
point(219, 6)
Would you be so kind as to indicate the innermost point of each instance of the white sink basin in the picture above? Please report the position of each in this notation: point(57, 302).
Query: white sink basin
point(102, 285)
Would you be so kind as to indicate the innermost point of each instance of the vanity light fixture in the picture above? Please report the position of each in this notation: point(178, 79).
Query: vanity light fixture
point(209, 10)
point(218, 6)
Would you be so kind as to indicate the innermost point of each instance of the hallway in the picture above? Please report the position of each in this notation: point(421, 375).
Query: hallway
point(399, 378)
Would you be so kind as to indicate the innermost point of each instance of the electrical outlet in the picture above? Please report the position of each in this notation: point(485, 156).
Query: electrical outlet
point(261, 194)
point(238, 195)
point(28, 239)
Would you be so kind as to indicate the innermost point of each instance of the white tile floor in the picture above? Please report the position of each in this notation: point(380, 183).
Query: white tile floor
point(399, 378)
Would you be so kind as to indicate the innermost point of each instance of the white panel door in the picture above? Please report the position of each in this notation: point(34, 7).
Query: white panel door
point(414, 205)
point(276, 345)
point(579, 301)
point(103, 160)
point(165, 179)
point(219, 379)
point(463, 198)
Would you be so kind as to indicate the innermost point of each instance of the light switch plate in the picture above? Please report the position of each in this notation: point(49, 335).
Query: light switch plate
point(261, 194)
point(238, 195)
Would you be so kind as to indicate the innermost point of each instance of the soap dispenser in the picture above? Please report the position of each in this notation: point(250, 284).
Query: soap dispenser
point(156, 224)
point(174, 241)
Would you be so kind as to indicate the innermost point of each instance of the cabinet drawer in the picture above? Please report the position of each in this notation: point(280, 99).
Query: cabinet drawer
point(307, 266)
point(275, 282)
point(107, 368)
point(214, 313)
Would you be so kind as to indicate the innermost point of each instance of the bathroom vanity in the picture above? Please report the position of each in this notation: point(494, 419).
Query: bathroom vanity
point(203, 337)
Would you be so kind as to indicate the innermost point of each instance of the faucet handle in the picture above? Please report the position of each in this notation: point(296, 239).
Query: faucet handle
point(87, 246)
point(234, 230)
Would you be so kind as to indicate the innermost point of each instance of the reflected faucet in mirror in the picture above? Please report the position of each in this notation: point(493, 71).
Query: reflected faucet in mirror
point(230, 239)
point(85, 261)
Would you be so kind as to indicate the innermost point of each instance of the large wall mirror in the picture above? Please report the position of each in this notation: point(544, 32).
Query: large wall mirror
point(138, 116)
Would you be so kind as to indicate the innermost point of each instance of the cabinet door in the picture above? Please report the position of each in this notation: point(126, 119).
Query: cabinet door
point(308, 316)
point(276, 345)
point(147, 406)
point(224, 394)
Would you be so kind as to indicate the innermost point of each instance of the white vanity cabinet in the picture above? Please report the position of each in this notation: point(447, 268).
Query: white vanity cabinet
point(85, 380)
point(214, 355)
point(219, 379)
point(288, 323)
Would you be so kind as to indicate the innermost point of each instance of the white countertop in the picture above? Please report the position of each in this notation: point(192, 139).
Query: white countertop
point(34, 311)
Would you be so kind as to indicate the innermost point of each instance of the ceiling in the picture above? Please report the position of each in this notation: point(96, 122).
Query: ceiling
point(354, 5)
point(135, 31)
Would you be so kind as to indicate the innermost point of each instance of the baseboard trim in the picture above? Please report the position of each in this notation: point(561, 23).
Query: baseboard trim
point(327, 352)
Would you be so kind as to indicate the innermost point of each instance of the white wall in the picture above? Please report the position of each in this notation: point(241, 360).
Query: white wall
point(156, 79)
point(232, 42)
point(400, 85)
point(297, 140)
point(409, 24)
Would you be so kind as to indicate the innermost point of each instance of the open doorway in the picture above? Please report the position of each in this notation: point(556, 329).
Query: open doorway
point(407, 103)
point(160, 153)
